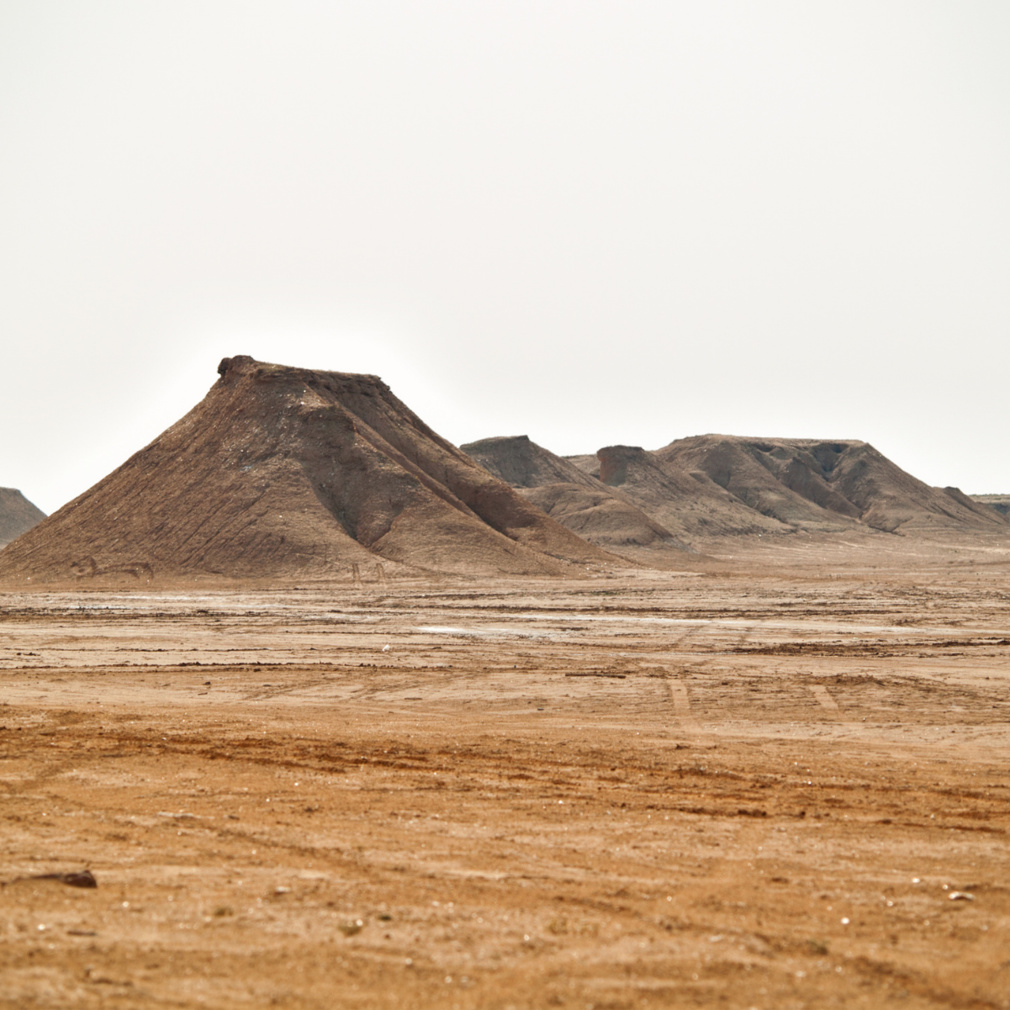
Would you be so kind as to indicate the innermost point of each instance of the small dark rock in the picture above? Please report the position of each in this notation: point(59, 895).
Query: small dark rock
point(85, 878)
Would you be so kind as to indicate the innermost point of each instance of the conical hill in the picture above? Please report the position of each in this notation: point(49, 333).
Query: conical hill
point(293, 473)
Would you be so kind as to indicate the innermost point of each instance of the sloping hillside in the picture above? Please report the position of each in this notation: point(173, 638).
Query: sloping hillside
point(292, 473)
point(600, 514)
point(689, 507)
point(17, 514)
point(825, 485)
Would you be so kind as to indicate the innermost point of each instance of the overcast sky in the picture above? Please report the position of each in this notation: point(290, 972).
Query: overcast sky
point(592, 223)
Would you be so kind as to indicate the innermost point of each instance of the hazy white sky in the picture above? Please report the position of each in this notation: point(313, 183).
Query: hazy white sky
point(587, 222)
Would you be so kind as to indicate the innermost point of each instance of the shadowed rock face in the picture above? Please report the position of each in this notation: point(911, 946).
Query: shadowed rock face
point(598, 513)
point(707, 487)
point(691, 506)
point(999, 502)
point(826, 485)
point(287, 473)
point(17, 515)
point(615, 460)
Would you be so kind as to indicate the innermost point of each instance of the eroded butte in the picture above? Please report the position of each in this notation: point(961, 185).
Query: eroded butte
point(780, 787)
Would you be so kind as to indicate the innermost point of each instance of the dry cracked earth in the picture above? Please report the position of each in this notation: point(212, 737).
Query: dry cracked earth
point(776, 789)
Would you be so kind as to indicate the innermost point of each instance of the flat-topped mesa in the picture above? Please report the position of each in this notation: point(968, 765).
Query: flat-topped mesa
point(826, 484)
point(284, 473)
point(243, 367)
point(17, 515)
point(615, 460)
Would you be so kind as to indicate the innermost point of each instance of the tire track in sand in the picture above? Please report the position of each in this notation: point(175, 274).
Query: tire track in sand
point(824, 699)
point(682, 705)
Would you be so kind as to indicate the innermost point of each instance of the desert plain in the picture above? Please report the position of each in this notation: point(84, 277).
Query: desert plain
point(775, 779)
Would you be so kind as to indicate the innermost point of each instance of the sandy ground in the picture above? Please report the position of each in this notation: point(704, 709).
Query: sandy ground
point(775, 789)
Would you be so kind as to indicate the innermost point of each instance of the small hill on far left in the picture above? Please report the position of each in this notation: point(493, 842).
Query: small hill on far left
point(17, 514)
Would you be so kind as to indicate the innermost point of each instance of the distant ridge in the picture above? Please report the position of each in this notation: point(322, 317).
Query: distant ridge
point(703, 489)
point(290, 473)
point(17, 515)
point(999, 502)
point(821, 485)
point(602, 515)
point(694, 509)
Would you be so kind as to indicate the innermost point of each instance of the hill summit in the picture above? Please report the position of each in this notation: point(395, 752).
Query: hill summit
point(284, 472)
point(17, 514)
